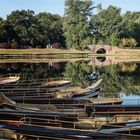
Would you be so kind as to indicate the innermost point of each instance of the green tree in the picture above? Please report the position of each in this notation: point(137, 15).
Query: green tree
point(2, 30)
point(107, 25)
point(52, 28)
point(131, 21)
point(25, 26)
point(136, 35)
point(128, 20)
point(76, 23)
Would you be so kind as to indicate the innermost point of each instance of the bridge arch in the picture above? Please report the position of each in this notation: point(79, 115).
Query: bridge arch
point(104, 49)
point(101, 51)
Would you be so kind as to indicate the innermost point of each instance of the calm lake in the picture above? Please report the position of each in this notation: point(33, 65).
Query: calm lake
point(120, 79)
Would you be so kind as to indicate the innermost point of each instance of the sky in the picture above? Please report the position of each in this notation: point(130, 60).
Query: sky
point(57, 6)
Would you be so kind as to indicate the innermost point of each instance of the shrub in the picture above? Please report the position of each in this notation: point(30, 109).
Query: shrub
point(133, 42)
point(56, 45)
point(4, 45)
point(128, 42)
point(14, 45)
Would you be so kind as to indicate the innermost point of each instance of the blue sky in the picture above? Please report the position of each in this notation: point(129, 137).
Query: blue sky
point(57, 6)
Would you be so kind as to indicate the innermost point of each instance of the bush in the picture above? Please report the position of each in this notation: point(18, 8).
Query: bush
point(56, 45)
point(4, 45)
point(128, 42)
point(133, 42)
point(14, 45)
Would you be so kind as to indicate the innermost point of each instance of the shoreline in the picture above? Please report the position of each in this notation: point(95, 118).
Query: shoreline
point(44, 51)
point(94, 60)
point(64, 53)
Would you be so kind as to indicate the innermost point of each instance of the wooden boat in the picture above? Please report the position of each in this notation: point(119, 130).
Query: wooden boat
point(20, 95)
point(9, 79)
point(73, 91)
point(23, 90)
point(60, 103)
point(96, 84)
point(37, 121)
point(44, 100)
point(88, 92)
point(56, 132)
point(90, 122)
point(9, 110)
point(41, 90)
point(50, 122)
point(105, 101)
point(77, 92)
point(66, 106)
point(132, 127)
point(5, 100)
point(22, 84)
point(111, 110)
point(97, 122)
point(77, 101)
point(56, 84)
point(67, 124)
point(18, 114)
point(66, 134)
point(25, 94)
point(123, 118)
point(68, 103)
point(46, 93)
point(51, 84)
point(63, 105)
point(85, 94)
point(39, 84)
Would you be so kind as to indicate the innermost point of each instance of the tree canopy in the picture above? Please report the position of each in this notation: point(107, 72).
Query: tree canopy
point(52, 28)
point(28, 29)
point(25, 26)
point(76, 23)
point(108, 25)
point(79, 27)
point(2, 30)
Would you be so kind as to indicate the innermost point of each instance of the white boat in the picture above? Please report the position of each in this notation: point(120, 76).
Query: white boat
point(9, 79)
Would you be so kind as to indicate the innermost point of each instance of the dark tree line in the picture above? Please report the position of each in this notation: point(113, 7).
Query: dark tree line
point(25, 29)
point(78, 27)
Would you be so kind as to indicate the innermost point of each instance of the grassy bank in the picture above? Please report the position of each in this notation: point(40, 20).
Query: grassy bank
point(42, 51)
point(68, 53)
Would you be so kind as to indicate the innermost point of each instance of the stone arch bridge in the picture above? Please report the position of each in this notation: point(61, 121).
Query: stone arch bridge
point(104, 49)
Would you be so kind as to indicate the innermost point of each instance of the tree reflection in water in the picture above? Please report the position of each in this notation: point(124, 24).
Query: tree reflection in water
point(81, 73)
point(121, 77)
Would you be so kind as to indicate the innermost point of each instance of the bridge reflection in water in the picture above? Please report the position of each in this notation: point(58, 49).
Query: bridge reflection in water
point(101, 61)
point(106, 60)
